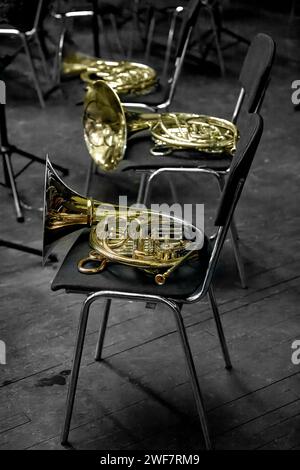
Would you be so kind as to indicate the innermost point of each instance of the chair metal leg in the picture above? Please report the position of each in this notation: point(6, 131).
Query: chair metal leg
point(169, 44)
point(193, 376)
point(33, 71)
point(116, 34)
point(141, 192)
point(216, 33)
point(238, 257)
point(42, 57)
point(95, 28)
point(90, 172)
point(59, 51)
point(102, 331)
point(12, 184)
point(234, 228)
point(75, 371)
point(150, 38)
point(235, 243)
point(219, 325)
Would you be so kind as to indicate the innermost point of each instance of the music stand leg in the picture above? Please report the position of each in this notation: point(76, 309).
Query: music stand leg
point(12, 185)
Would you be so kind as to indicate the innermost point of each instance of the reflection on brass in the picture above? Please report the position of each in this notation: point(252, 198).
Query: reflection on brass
point(106, 133)
point(106, 138)
point(124, 77)
point(156, 243)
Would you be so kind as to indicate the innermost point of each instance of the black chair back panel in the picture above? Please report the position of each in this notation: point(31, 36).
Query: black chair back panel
point(19, 13)
point(251, 132)
point(256, 69)
point(189, 21)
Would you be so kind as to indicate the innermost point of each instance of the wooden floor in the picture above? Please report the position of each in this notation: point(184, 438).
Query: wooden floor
point(140, 396)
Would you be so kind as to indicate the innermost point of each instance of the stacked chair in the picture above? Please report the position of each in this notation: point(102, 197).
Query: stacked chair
point(254, 79)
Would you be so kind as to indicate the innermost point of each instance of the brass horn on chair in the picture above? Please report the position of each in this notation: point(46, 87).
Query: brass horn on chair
point(107, 126)
point(123, 76)
point(154, 242)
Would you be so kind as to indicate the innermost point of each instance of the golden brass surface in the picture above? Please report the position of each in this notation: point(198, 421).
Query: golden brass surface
point(106, 143)
point(123, 76)
point(156, 243)
point(105, 134)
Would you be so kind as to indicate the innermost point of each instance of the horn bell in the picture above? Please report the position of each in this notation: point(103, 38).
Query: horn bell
point(104, 124)
point(65, 211)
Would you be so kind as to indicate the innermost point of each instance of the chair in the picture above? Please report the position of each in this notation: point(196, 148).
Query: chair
point(27, 31)
point(161, 98)
point(172, 9)
point(254, 79)
point(214, 34)
point(188, 284)
point(112, 11)
point(62, 15)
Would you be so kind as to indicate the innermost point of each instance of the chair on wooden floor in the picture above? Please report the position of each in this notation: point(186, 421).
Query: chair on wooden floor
point(27, 31)
point(189, 284)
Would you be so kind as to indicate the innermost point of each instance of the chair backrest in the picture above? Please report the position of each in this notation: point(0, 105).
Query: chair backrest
point(251, 133)
point(189, 21)
point(255, 73)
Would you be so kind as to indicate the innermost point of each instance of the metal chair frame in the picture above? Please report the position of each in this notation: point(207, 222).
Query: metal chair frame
point(223, 220)
point(172, 84)
point(178, 63)
point(175, 14)
point(26, 37)
point(175, 307)
point(63, 18)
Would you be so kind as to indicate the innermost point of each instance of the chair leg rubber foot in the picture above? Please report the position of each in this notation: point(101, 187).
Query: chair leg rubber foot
point(99, 359)
point(65, 443)
point(228, 367)
point(21, 219)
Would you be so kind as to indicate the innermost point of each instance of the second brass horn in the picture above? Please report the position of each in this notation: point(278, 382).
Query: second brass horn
point(107, 127)
point(154, 242)
point(123, 76)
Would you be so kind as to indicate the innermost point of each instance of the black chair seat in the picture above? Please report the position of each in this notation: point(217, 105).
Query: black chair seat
point(182, 283)
point(138, 157)
point(158, 95)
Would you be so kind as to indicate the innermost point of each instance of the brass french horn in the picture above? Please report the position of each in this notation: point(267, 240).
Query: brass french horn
point(107, 126)
point(123, 76)
point(156, 243)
